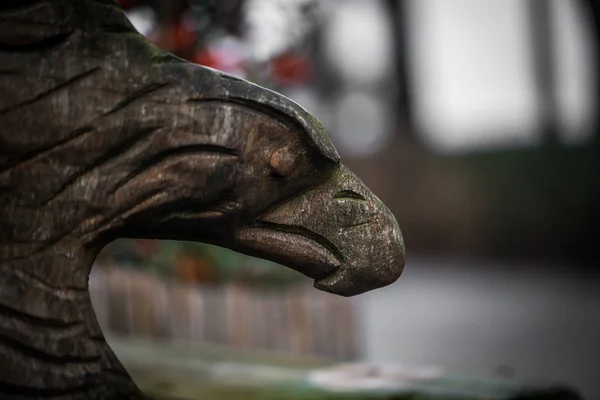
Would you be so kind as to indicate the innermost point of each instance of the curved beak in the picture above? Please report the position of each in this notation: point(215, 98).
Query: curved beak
point(339, 233)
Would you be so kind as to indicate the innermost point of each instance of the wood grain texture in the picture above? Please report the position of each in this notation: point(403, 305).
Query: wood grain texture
point(103, 135)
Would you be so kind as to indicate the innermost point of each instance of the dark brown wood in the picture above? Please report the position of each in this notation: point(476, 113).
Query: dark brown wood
point(103, 135)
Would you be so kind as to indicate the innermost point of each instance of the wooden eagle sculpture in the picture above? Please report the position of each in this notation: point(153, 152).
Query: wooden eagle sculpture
point(102, 136)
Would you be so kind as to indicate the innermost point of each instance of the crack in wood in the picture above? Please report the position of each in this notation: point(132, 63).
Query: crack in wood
point(53, 90)
point(58, 360)
point(82, 390)
point(42, 44)
point(41, 152)
point(140, 94)
point(111, 155)
point(168, 154)
point(12, 312)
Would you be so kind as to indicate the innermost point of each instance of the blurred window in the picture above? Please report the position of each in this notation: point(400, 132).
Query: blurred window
point(358, 45)
point(475, 73)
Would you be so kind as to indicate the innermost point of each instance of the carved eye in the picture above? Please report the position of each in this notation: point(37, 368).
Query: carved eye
point(282, 162)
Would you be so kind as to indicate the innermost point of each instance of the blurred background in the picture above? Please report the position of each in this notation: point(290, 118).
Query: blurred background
point(474, 121)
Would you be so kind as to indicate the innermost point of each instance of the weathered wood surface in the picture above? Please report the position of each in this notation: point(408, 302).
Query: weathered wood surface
point(103, 135)
point(295, 320)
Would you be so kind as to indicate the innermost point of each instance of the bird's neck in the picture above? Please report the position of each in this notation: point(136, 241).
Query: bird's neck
point(50, 341)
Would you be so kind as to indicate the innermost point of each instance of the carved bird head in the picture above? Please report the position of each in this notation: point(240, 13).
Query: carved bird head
point(271, 186)
point(124, 140)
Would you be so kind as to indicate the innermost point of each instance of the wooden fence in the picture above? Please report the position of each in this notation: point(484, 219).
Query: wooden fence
point(297, 320)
